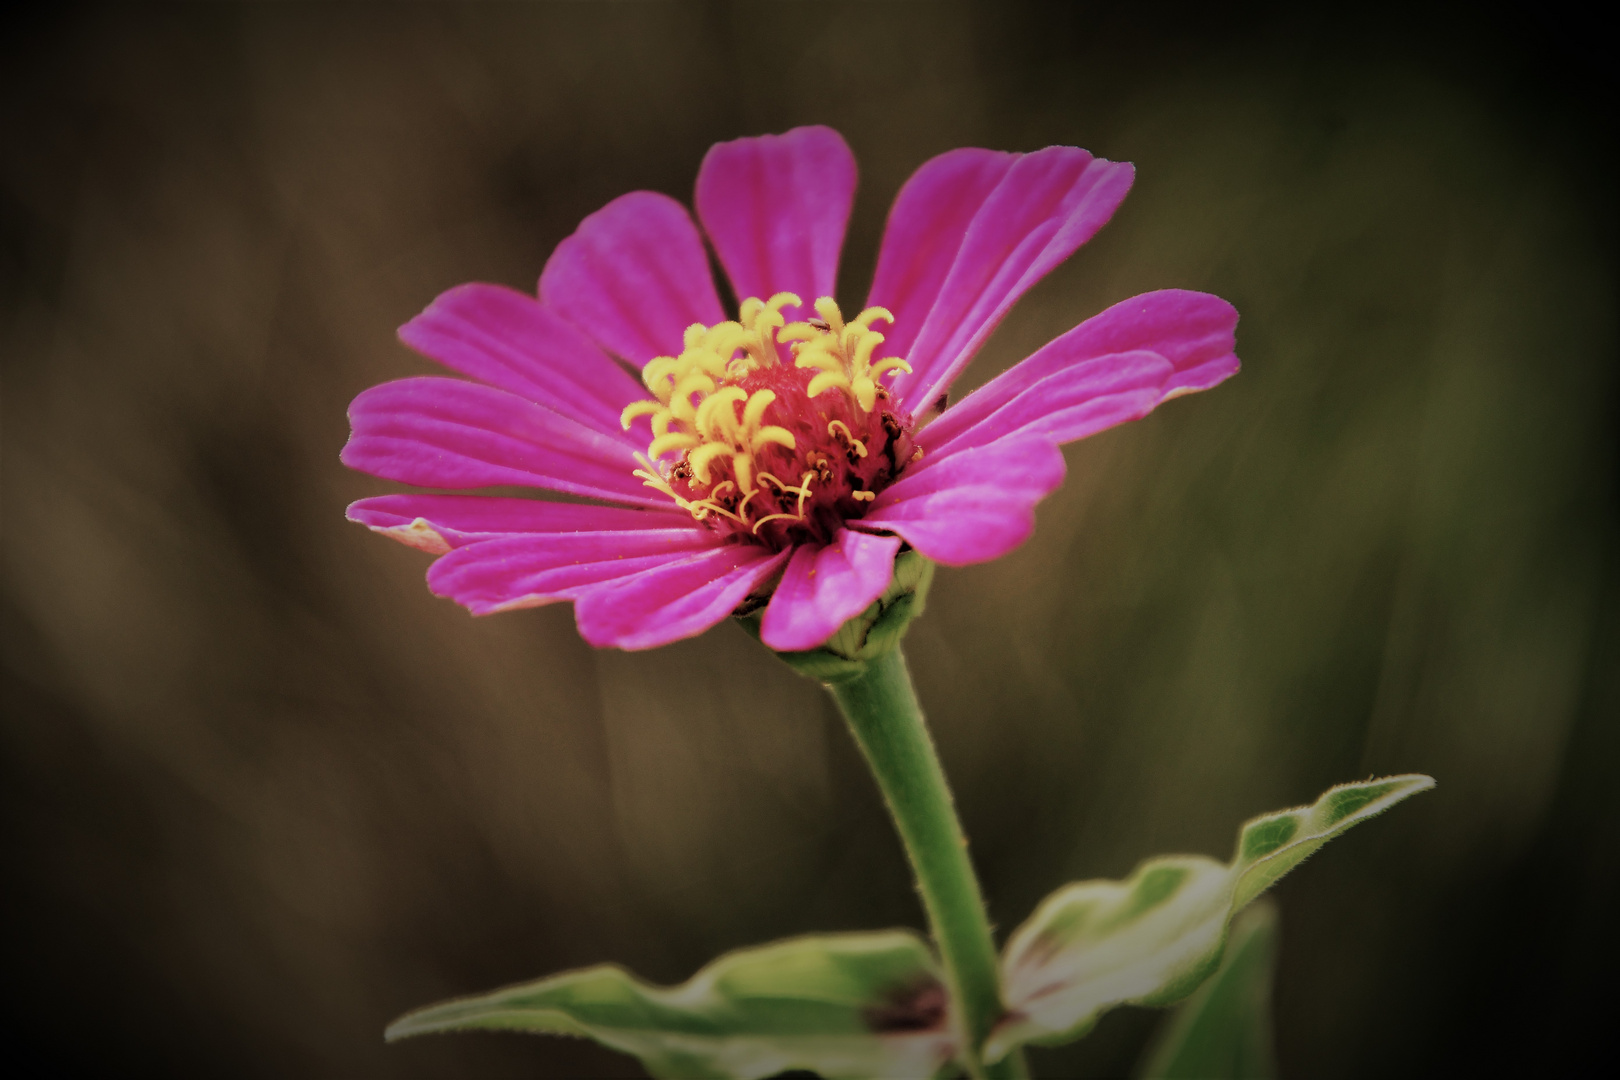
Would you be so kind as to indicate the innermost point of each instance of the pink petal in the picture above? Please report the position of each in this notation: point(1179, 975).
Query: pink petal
point(528, 571)
point(509, 339)
point(775, 207)
point(633, 276)
point(447, 433)
point(437, 523)
point(1030, 465)
point(1045, 206)
point(973, 507)
point(1069, 404)
point(676, 600)
point(823, 587)
point(1202, 376)
point(926, 225)
point(1192, 332)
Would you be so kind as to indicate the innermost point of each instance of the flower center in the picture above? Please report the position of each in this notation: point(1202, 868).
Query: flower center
point(781, 452)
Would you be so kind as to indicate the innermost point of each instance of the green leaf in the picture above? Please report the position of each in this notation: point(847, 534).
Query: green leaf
point(846, 1005)
point(1151, 939)
point(1223, 1032)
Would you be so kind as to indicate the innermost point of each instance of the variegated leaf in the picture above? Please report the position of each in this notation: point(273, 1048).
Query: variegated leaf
point(844, 1006)
point(1151, 939)
point(1223, 1032)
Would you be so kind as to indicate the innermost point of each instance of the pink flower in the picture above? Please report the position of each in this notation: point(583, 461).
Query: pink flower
point(786, 445)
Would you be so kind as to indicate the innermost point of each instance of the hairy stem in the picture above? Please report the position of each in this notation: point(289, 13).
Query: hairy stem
point(888, 724)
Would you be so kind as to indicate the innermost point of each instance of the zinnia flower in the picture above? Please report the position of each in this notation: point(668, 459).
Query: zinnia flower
point(788, 452)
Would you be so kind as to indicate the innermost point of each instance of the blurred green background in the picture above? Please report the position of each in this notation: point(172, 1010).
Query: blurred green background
point(263, 792)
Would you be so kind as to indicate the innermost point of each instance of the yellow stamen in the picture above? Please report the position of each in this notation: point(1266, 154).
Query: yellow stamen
point(656, 482)
point(650, 477)
point(780, 436)
point(799, 331)
point(863, 496)
point(638, 408)
point(842, 352)
point(819, 359)
point(701, 458)
point(827, 308)
point(698, 382)
point(774, 517)
point(865, 319)
point(804, 491)
point(694, 398)
point(840, 431)
point(658, 377)
point(893, 363)
point(682, 409)
point(709, 506)
point(720, 401)
point(827, 380)
point(863, 349)
point(675, 440)
point(865, 392)
point(754, 412)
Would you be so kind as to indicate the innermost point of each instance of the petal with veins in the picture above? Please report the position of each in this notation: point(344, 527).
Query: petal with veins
point(510, 340)
point(775, 208)
point(823, 587)
point(528, 571)
point(633, 276)
point(446, 433)
point(1043, 207)
point(437, 523)
point(676, 600)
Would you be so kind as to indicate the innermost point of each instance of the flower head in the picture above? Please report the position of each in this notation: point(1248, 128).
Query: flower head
point(781, 452)
point(735, 415)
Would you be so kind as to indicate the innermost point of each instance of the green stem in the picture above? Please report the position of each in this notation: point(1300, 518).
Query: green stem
point(888, 724)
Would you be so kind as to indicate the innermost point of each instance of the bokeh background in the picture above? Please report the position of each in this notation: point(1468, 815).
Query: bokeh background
point(263, 792)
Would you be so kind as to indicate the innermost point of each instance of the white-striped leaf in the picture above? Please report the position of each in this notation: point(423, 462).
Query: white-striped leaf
point(844, 1006)
point(1223, 1032)
point(1152, 938)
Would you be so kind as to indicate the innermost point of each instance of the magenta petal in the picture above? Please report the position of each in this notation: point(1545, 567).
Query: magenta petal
point(775, 207)
point(1072, 403)
point(823, 587)
point(1031, 466)
point(437, 523)
point(509, 339)
point(972, 507)
point(528, 571)
point(1202, 376)
point(677, 600)
point(1193, 332)
point(447, 433)
point(633, 276)
point(1045, 206)
point(961, 526)
point(926, 225)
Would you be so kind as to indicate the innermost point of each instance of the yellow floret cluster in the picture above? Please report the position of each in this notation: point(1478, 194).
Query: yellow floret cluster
point(719, 429)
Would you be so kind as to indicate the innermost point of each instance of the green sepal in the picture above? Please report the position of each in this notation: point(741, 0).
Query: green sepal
point(1223, 1032)
point(869, 635)
point(844, 1006)
point(1153, 938)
